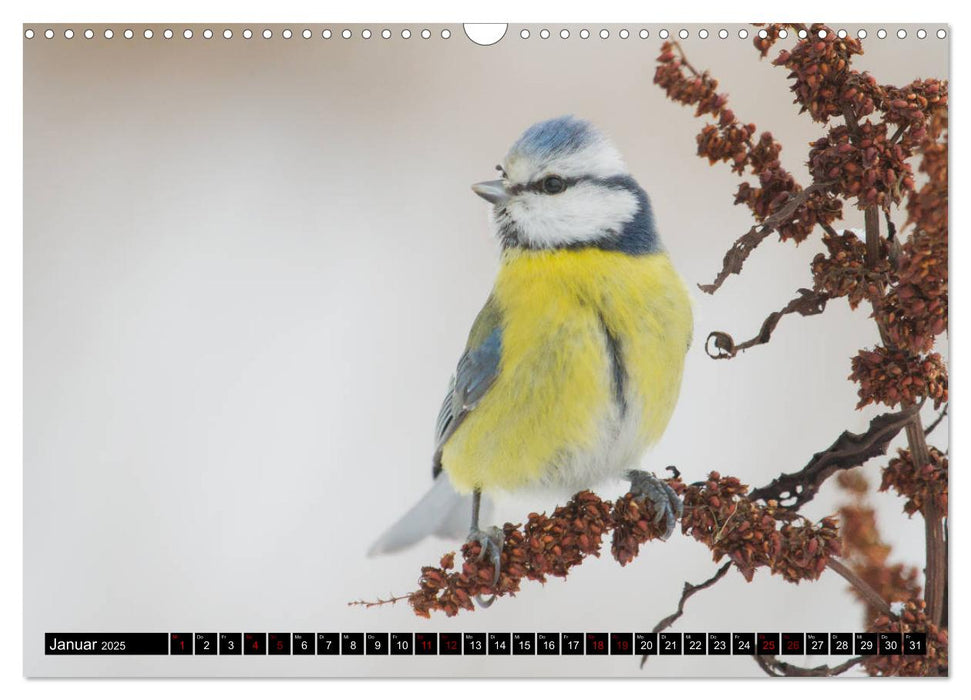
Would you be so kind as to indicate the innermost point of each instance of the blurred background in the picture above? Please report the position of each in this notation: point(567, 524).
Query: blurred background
point(249, 269)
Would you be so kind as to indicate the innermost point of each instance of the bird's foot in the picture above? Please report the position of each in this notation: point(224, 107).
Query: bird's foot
point(490, 545)
point(667, 503)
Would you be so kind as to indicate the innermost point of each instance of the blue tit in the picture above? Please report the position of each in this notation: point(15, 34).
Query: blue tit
point(573, 366)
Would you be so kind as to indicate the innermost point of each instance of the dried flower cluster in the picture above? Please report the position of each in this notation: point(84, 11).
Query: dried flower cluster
point(449, 591)
point(927, 207)
point(717, 513)
point(545, 546)
point(773, 32)
point(892, 377)
point(913, 107)
point(844, 272)
point(918, 483)
point(913, 618)
point(861, 161)
point(634, 525)
point(731, 141)
point(825, 85)
point(868, 168)
point(867, 553)
point(751, 535)
point(914, 312)
point(554, 544)
point(820, 70)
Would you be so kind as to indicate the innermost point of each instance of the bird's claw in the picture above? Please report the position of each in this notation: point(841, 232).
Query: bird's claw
point(667, 503)
point(490, 544)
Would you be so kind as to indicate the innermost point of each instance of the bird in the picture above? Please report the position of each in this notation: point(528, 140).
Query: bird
point(573, 367)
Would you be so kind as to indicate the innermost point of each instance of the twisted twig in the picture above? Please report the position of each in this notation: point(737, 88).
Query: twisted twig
point(688, 591)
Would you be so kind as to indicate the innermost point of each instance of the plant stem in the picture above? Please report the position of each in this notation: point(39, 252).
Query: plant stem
point(871, 218)
point(865, 589)
point(935, 571)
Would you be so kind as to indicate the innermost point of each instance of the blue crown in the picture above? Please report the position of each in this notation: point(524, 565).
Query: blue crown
point(555, 137)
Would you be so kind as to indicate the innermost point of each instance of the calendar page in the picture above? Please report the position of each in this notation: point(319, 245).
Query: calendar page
point(517, 350)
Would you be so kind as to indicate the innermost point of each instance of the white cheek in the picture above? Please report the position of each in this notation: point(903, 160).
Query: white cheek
point(583, 213)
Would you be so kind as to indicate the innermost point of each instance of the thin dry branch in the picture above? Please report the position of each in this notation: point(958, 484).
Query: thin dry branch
point(390, 600)
point(937, 421)
point(742, 248)
point(688, 591)
point(775, 668)
point(721, 346)
point(865, 589)
point(850, 450)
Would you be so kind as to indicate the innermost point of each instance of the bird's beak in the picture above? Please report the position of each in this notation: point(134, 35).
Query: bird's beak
point(492, 191)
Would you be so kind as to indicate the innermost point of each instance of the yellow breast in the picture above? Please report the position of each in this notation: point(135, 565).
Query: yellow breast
point(553, 407)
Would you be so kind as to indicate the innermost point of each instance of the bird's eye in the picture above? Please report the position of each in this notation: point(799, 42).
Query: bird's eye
point(553, 185)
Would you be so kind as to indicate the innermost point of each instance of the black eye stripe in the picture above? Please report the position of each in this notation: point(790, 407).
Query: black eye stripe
point(615, 182)
point(537, 185)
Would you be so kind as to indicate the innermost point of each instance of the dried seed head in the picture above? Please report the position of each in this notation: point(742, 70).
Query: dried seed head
point(918, 483)
point(892, 377)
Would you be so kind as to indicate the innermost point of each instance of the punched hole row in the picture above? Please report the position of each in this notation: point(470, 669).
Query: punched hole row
point(406, 33)
point(245, 34)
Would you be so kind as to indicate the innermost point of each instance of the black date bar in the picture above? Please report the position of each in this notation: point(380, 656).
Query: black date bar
point(122, 644)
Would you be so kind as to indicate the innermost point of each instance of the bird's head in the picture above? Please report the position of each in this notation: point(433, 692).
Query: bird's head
point(565, 185)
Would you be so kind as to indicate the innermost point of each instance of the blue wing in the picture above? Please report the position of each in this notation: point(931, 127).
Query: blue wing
point(477, 370)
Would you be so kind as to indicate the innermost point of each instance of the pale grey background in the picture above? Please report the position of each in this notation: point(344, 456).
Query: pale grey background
point(250, 266)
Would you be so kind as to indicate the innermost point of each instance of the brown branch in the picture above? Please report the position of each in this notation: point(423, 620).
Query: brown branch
point(688, 591)
point(742, 248)
point(775, 668)
point(391, 600)
point(935, 572)
point(850, 450)
point(829, 229)
point(684, 59)
point(871, 221)
point(865, 589)
point(898, 133)
point(849, 116)
point(721, 346)
point(937, 421)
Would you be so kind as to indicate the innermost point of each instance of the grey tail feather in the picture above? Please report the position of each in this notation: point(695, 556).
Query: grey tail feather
point(442, 511)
